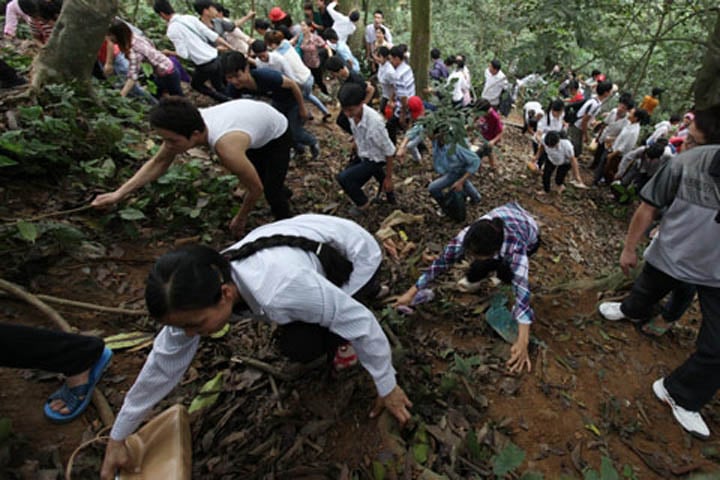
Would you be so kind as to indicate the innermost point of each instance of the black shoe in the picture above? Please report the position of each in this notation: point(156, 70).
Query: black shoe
point(391, 197)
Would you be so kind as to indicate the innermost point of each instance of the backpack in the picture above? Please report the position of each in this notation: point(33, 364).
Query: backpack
point(572, 109)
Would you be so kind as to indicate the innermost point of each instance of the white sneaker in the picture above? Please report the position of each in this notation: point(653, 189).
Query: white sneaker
point(469, 287)
point(611, 311)
point(690, 421)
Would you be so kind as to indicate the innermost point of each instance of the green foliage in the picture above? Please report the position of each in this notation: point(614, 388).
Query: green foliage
point(509, 459)
point(607, 471)
point(64, 133)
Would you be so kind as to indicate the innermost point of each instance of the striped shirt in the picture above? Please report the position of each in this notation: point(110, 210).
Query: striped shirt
point(141, 49)
point(41, 29)
point(520, 233)
point(405, 80)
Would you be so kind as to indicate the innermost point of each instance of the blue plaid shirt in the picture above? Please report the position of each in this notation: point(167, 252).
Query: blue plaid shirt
point(520, 234)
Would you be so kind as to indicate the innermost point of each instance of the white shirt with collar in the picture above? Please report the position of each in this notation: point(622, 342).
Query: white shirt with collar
point(387, 79)
point(281, 284)
point(371, 137)
point(627, 139)
point(370, 33)
point(590, 107)
point(192, 39)
point(278, 63)
point(494, 85)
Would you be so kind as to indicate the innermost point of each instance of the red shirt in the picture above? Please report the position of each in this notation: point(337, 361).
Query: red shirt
point(490, 124)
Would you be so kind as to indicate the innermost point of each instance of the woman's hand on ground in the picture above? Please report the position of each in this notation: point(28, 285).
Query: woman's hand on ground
point(406, 298)
point(396, 402)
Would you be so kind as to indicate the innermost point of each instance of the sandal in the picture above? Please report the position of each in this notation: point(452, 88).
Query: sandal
point(77, 398)
point(655, 328)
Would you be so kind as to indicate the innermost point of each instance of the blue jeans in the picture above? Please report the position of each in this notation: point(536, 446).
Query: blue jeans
point(437, 186)
point(121, 65)
point(301, 137)
point(307, 94)
point(356, 175)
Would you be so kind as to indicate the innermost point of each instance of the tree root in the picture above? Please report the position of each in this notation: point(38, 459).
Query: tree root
point(99, 400)
point(613, 282)
point(90, 306)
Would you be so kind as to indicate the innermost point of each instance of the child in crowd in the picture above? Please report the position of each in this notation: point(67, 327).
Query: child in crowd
point(490, 125)
point(456, 163)
point(561, 156)
point(374, 150)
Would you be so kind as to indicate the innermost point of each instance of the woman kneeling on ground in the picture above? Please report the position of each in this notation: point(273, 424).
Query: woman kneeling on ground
point(308, 274)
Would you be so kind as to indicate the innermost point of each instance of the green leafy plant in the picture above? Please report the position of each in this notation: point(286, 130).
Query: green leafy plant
point(508, 460)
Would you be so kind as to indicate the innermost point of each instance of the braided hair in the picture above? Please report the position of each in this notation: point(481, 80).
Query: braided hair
point(191, 277)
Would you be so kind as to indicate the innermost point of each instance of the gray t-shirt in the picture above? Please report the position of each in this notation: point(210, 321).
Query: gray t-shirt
point(686, 247)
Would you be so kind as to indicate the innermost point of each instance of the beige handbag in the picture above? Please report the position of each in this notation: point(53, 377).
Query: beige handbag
point(162, 447)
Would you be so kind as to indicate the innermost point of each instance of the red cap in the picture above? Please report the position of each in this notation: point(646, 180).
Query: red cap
point(276, 14)
point(416, 107)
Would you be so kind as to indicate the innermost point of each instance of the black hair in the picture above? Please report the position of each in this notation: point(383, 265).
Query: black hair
point(675, 118)
point(449, 61)
point(191, 277)
point(552, 138)
point(351, 94)
point(460, 64)
point(383, 51)
point(397, 52)
point(163, 6)
point(604, 87)
point(221, 8)
point(495, 64)
point(201, 5)
point(233, 62)
point(595, 72)
point(627, 100)
point(28, 7)
point(261, 24)
point(655, 150)
point(435, 53)
point(178, 115)
point(378, 11)
point(532, 124)
point(331, 34)
point(708, 122)
point(285, 30)
point(48, 9)
point(274, 37)
point(557, 105)
point(122, 34)
point(258, 46)
point(334, 64)
point(573, 85)
point(656, 92)
point(484, 237)
point(482, 104)
point(642, 116)
point(354, 16)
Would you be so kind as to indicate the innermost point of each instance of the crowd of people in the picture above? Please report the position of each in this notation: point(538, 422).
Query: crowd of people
point(315, 275)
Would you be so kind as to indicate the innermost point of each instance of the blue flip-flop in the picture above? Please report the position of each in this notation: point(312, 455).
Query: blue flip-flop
point(77, 398)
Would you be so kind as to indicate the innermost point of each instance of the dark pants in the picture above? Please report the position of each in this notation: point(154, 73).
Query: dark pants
point(271, 162)
point(562, 171)
point(9, 77)
point(213, 72)
point(393, 128)
point(693, 383)
point(356, 175)
point(317, 74)
point(50, 350)
point(600, 151)
point(304, 342)
point(169, 84)
point(301, 137)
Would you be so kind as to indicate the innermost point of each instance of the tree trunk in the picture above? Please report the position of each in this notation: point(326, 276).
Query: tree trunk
point(73, 46)
point(707, 82)
point(420, 43)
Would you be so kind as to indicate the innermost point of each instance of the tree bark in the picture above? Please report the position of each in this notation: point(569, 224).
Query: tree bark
point(707, 82)
point(420, 43)
point(72, 49)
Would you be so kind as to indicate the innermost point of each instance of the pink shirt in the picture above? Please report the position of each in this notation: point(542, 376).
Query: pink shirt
point(490, 124)
point(12, 15)
point(141, 49)
point(309, 46)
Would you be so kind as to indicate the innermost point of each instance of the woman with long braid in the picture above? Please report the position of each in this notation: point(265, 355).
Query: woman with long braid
point(306, 273)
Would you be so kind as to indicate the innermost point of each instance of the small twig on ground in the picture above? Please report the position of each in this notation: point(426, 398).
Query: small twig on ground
point(276, 393)
point(263, 367)
point(90, 306)
point(106, 414)
point(48, 215)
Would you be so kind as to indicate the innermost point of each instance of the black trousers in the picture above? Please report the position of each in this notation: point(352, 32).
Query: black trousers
point(304, 342)
point(271, 163)
point(548, 170)
point(210, 71)
point(50, 350)
point(317, 74)
point(693, 383)
point(8, 76)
